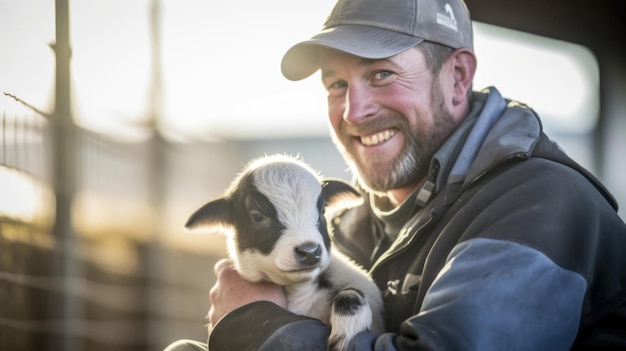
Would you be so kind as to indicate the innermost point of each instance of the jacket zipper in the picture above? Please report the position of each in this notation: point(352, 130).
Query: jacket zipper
point(397, 251)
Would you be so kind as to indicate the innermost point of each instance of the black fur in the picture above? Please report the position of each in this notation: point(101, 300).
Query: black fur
point(296, 253)
point(347, 304)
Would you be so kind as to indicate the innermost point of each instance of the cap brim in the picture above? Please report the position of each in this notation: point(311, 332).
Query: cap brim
point(302, 59)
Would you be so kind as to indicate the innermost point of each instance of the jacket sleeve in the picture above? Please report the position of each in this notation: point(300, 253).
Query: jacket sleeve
point(474, 304)
point(520, 274)
point(265, 326)
point(516, 281)
point(492, 295)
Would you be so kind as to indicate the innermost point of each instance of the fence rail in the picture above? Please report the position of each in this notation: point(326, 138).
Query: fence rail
point(96, 287)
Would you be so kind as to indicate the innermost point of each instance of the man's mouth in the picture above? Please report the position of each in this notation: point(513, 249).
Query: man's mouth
point(378, 138)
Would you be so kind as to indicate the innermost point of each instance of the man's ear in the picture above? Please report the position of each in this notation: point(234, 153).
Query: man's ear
point(464, 65)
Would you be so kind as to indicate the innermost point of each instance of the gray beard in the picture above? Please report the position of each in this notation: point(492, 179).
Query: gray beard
point(411, 167)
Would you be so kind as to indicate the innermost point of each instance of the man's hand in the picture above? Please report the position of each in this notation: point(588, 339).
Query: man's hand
point(231, 291)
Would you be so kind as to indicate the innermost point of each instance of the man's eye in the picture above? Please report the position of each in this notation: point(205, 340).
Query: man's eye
point(336, 86)
point(382, 75)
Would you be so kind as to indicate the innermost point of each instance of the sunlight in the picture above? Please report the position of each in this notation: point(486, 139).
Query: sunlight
point(111, 66)
point(27, 62)
point(559, 80)
point(24, 198)
point(220, 68)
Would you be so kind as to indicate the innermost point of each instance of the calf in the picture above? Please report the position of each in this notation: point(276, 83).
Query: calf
point(276, 209)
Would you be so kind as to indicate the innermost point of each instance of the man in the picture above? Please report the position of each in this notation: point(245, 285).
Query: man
point(480, 232)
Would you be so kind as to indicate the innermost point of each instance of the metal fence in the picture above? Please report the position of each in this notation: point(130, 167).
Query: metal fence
point(81, 266)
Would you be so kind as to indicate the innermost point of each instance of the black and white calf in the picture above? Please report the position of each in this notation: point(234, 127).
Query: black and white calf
point(278, 233)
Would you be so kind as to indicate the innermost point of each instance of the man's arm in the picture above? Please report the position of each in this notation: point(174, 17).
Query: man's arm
point(493, 294)
point(231, 291)
point(515, 281)
point(265, 326)
point(252, 316)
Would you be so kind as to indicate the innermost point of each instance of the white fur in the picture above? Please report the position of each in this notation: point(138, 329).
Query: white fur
point(293, 188)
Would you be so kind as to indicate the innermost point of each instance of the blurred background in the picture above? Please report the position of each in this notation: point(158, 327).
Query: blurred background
point(119, 118)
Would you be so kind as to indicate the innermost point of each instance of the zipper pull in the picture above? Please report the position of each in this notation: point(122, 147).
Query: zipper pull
point(392, 287)
point(425, 193)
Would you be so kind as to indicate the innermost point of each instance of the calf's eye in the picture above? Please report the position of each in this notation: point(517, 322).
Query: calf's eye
point(256, 216)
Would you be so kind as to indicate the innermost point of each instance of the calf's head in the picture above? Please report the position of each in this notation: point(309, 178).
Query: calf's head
point(275, 212)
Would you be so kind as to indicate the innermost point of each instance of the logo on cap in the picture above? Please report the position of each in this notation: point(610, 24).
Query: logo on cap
point(448, 18)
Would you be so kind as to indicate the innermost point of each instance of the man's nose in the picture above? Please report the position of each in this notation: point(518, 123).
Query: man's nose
point(359, 105)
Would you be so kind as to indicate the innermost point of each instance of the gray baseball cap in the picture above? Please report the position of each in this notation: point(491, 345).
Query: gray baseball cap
point(377, 29)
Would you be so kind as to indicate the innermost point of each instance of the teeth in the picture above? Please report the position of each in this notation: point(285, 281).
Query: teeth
point(378, 137)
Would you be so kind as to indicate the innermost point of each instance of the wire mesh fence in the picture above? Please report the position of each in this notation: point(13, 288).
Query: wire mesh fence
point(98, 282)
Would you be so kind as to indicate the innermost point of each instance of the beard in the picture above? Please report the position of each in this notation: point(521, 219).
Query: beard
point(381, 173)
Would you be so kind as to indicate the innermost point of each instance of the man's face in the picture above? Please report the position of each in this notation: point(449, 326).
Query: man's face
point(388, 116)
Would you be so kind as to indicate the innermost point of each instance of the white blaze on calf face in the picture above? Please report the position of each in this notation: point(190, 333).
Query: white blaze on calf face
point(275, 209)
point(295, 193)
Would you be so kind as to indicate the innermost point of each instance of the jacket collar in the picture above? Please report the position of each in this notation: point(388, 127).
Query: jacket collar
point(513, 132)
point(494, 130)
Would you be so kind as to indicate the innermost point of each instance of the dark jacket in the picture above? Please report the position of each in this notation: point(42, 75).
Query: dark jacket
point(517, 248)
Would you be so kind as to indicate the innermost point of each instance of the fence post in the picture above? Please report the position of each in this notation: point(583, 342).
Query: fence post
point(63, 136)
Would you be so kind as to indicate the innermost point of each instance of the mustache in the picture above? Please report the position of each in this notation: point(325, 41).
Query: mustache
point(376, 124)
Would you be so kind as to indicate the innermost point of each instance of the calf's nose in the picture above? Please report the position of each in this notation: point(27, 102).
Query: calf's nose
point(308, 254)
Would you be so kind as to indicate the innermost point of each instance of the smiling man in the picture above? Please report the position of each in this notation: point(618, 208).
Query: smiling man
point(479, 231)
point(389, 116)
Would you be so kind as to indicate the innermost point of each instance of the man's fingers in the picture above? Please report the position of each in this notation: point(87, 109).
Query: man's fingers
point(222, 265)
point(211, 317)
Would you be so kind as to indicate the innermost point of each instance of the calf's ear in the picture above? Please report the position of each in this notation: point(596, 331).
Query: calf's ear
point(217, 213)
point(340, 194)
